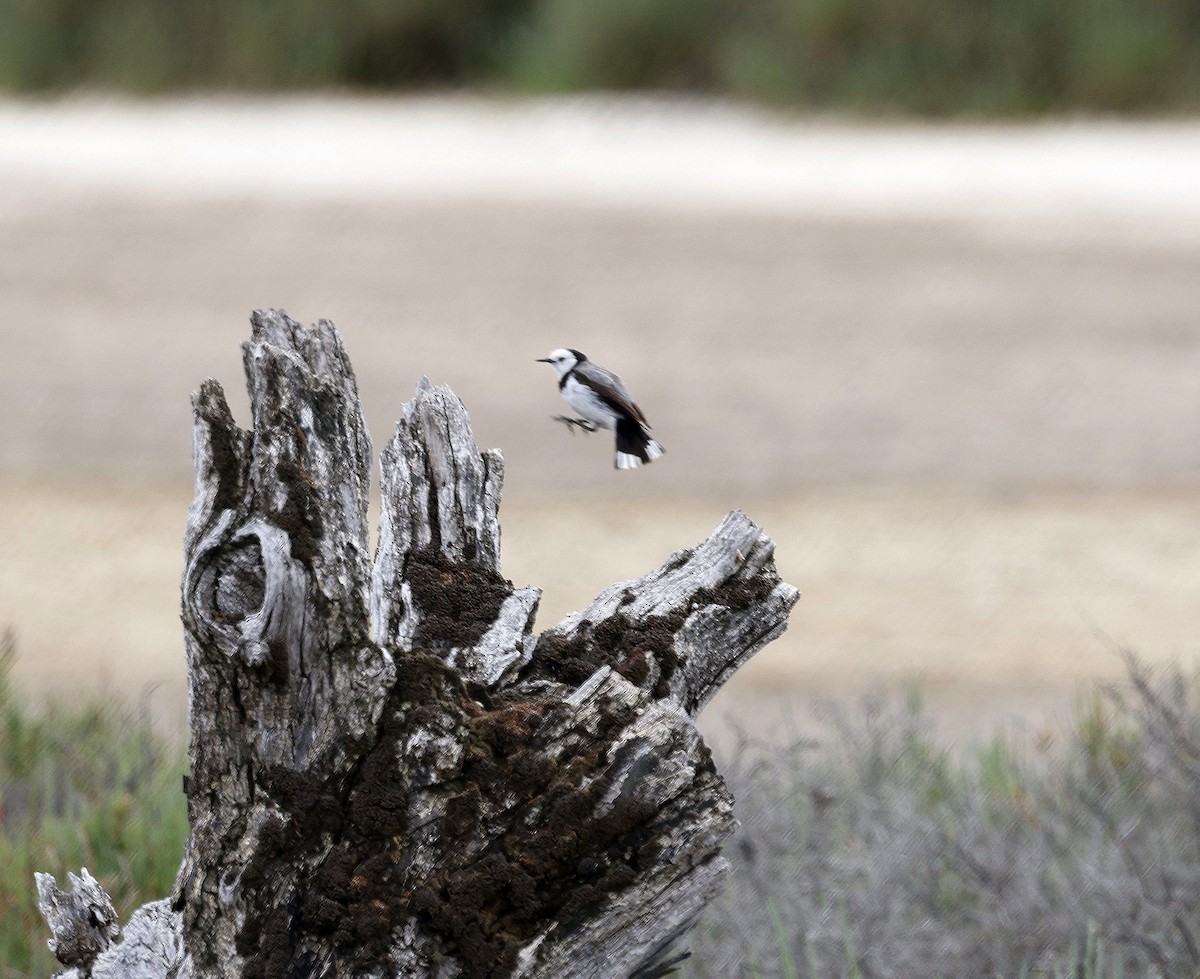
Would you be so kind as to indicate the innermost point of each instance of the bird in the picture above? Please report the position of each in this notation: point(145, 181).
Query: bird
point(600, 397)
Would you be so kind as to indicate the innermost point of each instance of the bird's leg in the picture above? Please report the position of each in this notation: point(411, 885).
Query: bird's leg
point(573, 423)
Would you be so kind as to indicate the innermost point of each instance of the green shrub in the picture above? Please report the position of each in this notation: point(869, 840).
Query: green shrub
point(622, 45)
point(81, 785)
point(250, 44)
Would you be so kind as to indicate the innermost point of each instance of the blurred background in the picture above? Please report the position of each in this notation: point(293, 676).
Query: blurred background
point(916, 288)
point(915, 285)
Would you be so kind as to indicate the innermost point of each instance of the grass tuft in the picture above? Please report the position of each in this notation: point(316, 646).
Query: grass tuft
point(875, 852)
point(81, 785)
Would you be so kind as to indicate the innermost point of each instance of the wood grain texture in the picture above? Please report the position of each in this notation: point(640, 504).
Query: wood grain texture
point(391, 775)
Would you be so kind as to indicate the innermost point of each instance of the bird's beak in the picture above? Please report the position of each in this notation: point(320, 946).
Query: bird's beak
point(544, 360)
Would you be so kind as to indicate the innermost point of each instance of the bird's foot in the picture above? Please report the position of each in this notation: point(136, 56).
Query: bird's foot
point(573, 423)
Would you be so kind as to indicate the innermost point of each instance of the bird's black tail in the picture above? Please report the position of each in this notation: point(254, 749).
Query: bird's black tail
point(634, 445)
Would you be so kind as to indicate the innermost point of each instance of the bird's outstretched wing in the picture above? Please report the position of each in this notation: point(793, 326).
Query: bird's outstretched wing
point(608, 388)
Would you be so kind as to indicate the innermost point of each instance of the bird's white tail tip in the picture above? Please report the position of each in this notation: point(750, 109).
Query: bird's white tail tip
point(627, 460)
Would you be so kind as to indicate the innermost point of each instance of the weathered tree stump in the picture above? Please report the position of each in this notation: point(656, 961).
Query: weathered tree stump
point(391, 776)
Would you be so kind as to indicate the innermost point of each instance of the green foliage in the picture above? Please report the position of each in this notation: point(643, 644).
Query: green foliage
point(81, 785)
point(926, 57)
point(154, 45)
point(622, 44)
point(422, 42)
point(940, 57)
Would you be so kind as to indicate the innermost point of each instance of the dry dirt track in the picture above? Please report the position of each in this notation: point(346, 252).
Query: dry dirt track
point(968, 419)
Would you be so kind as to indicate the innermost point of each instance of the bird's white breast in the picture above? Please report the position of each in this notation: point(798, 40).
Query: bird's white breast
point(585, 401)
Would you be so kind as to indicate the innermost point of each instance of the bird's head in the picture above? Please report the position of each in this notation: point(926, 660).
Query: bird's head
point(562, 359)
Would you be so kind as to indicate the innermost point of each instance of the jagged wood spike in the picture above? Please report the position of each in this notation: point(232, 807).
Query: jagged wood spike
point(680, 631)
point(391, 776)
point(440, 502)
point(82, 920)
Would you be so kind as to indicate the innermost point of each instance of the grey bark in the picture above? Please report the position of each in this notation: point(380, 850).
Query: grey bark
point(390, 774)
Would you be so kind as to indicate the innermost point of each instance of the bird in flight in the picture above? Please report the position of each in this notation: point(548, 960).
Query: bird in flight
point(602, 401)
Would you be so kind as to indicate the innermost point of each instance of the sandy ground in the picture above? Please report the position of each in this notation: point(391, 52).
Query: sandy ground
point(954, 372)
point(1000, 609)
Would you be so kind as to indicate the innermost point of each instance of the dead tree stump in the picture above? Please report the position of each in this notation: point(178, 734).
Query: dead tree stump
point(391, 775)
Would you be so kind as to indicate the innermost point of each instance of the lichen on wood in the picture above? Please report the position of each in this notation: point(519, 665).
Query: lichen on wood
point(391, 775)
